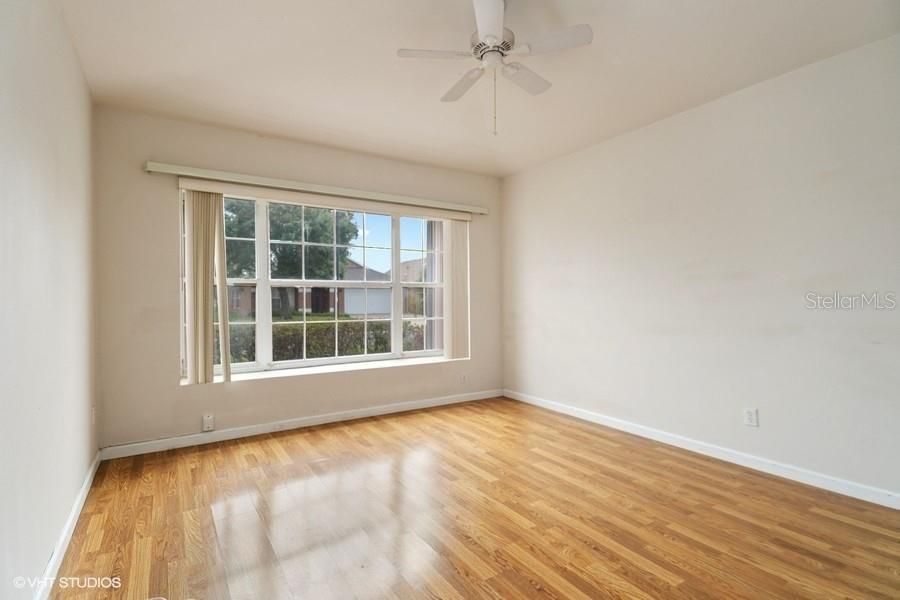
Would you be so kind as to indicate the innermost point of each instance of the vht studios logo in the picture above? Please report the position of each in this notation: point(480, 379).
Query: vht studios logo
point(839, 301)
point(68, 582)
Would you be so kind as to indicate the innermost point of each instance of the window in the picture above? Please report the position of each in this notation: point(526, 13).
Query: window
point(240, 265)
point(421, 261)
point(311, 285)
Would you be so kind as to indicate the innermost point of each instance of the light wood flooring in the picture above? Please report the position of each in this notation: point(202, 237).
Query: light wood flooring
point(490, 499)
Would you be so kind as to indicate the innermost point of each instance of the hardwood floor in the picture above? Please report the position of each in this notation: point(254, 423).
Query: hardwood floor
point(492, 499)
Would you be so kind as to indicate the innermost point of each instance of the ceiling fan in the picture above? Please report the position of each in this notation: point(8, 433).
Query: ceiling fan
point(493, 43)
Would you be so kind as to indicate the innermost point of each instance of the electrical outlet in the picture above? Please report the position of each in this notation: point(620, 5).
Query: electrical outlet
point(94, 414)
point(209, 422)
point(751, 417)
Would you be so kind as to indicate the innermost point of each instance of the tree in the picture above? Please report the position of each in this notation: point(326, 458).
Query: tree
point(286, 225)
point(318, 226)
point(240, 222)
point(347, 231)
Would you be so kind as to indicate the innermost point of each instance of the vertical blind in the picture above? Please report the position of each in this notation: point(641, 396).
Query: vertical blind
point(205, 275)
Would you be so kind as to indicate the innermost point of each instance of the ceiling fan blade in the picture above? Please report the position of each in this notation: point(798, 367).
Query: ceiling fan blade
point(525, 78)
point(489, 17)
point(463, 85)
point(442, 54)
point(570, 37)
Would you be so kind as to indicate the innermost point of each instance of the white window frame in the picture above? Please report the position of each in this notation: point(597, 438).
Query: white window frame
point(264, 283)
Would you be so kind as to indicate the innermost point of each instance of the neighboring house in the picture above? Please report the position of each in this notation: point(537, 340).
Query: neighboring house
point(289, 302)
point(353, 271)
point(241, 301)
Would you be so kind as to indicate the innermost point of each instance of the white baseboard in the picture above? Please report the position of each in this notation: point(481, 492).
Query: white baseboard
point(65, 536)
point(196, 439)
point(841, 486)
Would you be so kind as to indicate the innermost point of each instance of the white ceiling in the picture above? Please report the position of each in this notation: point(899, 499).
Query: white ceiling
point(325, 70)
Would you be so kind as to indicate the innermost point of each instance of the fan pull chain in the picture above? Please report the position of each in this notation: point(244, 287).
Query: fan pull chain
point(495, 100)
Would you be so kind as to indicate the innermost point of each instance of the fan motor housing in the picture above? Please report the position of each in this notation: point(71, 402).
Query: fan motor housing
point(479, 48)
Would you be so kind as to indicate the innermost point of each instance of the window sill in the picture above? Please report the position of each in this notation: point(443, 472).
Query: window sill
point(341, 368)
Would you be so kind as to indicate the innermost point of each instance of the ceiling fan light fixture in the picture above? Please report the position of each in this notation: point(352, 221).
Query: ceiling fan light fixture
point(492, 59)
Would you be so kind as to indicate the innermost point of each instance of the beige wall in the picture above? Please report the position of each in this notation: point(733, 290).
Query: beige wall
point(138, 269)
point(660, 277)
point(47, 441)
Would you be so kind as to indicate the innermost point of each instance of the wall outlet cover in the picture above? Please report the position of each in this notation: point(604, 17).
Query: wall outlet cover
point(751, 417)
